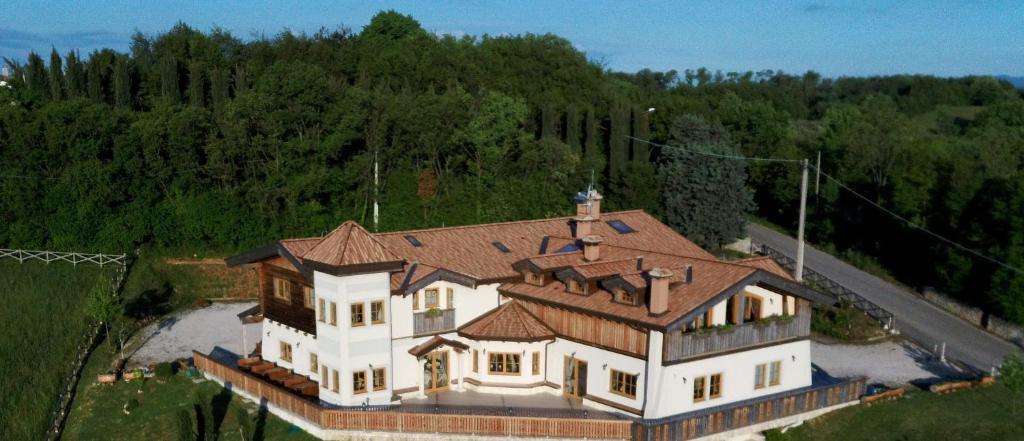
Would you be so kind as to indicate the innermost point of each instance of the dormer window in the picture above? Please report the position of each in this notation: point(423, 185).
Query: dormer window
point(575, 287)
point(622, 296)
point(533, 278)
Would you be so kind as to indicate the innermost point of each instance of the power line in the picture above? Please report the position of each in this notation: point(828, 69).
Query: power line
point(848, 189)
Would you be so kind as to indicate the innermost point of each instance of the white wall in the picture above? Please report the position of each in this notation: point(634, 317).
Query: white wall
point(600, 362)
point(348, 349)
point(675, 385)
point(525, 351)
point(302, 344)
point(469, 304)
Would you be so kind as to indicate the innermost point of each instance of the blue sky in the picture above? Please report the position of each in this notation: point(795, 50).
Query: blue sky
point(947, 38)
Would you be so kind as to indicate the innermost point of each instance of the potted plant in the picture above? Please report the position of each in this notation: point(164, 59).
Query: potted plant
point(434, 312)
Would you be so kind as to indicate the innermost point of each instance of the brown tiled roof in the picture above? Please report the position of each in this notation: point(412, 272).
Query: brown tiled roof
point(508, 322)
point(349, 244)
point(765, 263)
point(429, 345)
point(469, 249)
point(606, 268)
point(299, 247)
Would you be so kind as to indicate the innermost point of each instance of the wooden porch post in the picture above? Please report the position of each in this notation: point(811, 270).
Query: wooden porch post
point(743, 308)
point(458, 356)
point(422, 363)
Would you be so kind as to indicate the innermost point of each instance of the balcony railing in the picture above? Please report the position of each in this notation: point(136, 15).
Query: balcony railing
point(427, 323)
point(681, 346)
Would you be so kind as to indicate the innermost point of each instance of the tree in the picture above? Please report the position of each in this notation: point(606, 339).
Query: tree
point(122, 83)
point(36, 78)
point(56, 77)
point(74, 76)
point(494, 131)
point(196, 85)
point(618, 139)
point(705, 197)
point(1011, 374)
point(186, 425)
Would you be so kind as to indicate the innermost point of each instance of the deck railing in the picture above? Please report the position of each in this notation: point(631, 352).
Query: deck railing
point(424, 323)
point(412, 420)
point(750, 412)
point(684, 345)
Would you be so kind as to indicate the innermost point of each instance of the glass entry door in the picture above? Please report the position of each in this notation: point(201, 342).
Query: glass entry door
point(575, 378)
point(435, 371)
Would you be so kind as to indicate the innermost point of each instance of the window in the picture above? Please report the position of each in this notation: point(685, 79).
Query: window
point(450, 292)
point(503, 364)
point(702, 321)
point(534, 278)
point(753, 310)
point(379, 379)
point(700, 385)
point(431, 298)
point(620, 226)
point(413, 241)
point(313, 362)
point(323, 377)
point(716, 386)
point(623, 384)
point(335, 381)
point(282, 290)
point(476, 361)
point(286, 352)
point(574, 286)
point(501, 247)
point(775, 373)
point(623, 296)
point(323, 310)
point(536, 363)
point(358, 318)
point(359, 382)
point(334, 314)
point(377, 312)
point(308, 297)
point(759, 371)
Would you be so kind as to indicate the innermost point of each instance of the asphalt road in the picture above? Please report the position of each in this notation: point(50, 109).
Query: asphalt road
point(915, 318)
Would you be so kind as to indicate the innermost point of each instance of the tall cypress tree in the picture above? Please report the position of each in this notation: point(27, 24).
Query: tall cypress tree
point(94, 77)
point(35, 77)
point(122, 83)
point(56, 76)
point(218, 88)
point(641, 130)
point(573, 135)
point(169, 90)
point(618, 139)
point(74, 76)
point(550, 118)
point(591, 147)
point(196, 85)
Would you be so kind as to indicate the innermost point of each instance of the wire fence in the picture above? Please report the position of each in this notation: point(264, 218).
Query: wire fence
point(59, 412)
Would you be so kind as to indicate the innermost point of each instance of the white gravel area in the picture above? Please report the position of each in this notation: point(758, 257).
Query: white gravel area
point(202, 329)
point(889, 362)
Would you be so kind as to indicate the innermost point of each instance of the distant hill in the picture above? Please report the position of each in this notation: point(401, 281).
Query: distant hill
point(1016, 81)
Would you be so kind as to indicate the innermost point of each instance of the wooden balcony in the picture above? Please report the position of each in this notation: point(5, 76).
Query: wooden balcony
point(681, 346)
point(424, 324)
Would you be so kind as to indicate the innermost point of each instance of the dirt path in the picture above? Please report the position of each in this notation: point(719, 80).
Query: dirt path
point(890, 362)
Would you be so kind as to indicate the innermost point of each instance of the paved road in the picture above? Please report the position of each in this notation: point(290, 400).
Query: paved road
point(915, 318)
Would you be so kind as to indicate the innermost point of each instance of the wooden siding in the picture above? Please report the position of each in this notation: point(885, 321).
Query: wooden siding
point(589, 329)
point(681, 346)
point(423, 324)
point(747, 413)
point(293, 314)
point(415, 422)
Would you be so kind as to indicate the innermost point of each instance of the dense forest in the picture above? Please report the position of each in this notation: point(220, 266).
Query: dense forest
point(205, 142)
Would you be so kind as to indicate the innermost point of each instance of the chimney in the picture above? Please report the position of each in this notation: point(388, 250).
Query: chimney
point(689, 274)
point(588, 204)
point(659, 279)
point(591, 248)
point(584, 225)
point(639, 263)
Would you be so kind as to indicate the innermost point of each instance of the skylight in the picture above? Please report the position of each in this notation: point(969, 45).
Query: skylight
point(620, 226)
point(412, 240)
point(501, 247)
point(568, 248)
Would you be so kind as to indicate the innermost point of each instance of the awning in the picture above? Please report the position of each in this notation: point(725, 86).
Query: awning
point(429, 345)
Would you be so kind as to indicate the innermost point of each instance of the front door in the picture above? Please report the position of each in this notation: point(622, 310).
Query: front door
point(575, 378)
point(435, 371)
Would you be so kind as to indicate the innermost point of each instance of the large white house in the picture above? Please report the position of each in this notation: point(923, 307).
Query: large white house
point(615, 310)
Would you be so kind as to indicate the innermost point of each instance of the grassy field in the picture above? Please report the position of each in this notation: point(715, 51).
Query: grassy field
point(41, 323)
point(980, 414)
point(98, 411)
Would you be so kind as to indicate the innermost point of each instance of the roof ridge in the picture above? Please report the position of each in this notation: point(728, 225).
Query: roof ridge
point(523, 221)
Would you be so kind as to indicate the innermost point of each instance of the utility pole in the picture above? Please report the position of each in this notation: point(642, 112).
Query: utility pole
point(377, 189)
point(798, 272)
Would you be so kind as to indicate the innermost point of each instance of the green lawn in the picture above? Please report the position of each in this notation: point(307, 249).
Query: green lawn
point(98, 411)
point(41, 324)
point(980, 414)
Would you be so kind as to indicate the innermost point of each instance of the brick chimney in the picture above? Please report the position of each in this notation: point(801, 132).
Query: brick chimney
point(659, 278)
point(584, 225)
point(588, 204)
point(591, 248)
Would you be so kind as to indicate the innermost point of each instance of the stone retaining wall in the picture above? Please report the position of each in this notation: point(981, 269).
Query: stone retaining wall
point(1002, 328)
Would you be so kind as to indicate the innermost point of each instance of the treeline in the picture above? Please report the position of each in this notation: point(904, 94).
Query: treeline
point(203, 141)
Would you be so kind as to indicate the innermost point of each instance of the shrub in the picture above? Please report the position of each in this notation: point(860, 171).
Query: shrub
point(130, 405)
point(164, 370)
point(186, 425)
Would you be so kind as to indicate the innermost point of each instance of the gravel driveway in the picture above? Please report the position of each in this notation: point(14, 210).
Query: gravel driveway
point(890, 362)
point(200, 329)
